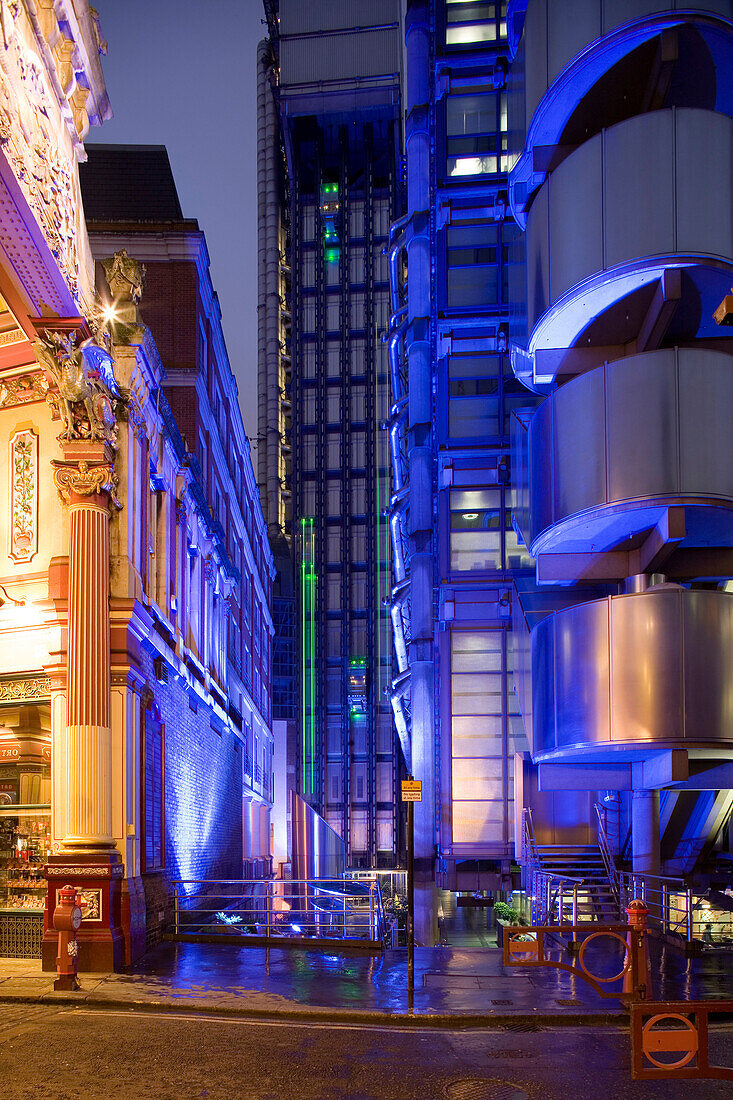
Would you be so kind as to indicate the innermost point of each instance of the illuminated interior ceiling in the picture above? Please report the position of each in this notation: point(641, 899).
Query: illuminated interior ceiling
point(10, 330)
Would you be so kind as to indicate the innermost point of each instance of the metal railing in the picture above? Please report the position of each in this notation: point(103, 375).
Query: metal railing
point(609, 861)
point(670, 901)
point(298, 909)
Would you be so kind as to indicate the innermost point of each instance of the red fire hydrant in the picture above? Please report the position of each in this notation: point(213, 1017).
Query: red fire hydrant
point(66, 921)
point(636, 977)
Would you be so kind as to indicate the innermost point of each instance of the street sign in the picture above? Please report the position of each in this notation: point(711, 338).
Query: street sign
point(412, 790)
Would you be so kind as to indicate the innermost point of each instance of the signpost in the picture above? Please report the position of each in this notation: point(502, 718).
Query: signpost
point(411, 793)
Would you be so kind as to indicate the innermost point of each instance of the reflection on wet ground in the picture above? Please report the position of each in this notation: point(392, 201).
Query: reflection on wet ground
point(448, 979)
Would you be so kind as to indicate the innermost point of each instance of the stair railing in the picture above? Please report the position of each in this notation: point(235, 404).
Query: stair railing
point(609, 861)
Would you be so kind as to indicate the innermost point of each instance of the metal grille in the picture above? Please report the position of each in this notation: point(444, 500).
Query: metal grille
point(474, 1088)
point(20, 936)
point(521, 1025)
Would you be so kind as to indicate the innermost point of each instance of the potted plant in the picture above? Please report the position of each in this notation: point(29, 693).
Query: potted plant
point(505, 915)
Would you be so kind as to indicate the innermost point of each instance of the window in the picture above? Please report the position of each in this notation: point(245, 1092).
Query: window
point(356, 219)
point(333, 406)
point(475, 530)
point(474, 21)
point(358, 591)
point(358, 310)
point(332, 313)
point(309, 314)
point(356, 265)
point(358, 542)
point(308, 268)
point(473, 267)
point(333, 359)
point(333, 592)
point(358, 403)
point(308, 360)
point(381, 218)
point(333, 498)
point(477, 735)
point(309, 407)
point(358, 357)
point(333, 451)
point(474, 396)
point(154, 793)
point(333, 266)
point(309, 451)
point(358, 449)
point(308, 222)
point(358, 496)
point(476, 144)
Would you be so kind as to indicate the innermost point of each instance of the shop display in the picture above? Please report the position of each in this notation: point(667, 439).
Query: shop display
point(24, 850)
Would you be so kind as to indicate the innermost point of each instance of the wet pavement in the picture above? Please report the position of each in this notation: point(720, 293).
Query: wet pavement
point(452, 985)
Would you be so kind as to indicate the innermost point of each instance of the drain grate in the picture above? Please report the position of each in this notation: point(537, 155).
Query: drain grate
point(502, 1002)
point(474, 1088)
point(510, 1054)
point(521, 1025)
point(568, 1001)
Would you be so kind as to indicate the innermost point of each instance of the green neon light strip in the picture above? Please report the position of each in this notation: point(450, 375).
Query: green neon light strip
point(308, 581)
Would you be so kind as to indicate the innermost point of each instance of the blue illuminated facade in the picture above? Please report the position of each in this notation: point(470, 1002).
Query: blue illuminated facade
point(620, 116)
point(563, 498)
point(330, 186)
point(452, 521)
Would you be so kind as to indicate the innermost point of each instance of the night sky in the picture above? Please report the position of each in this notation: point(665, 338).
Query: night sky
point(182, 74)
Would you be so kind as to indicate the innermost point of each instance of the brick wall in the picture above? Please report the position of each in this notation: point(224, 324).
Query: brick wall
point(203, 802)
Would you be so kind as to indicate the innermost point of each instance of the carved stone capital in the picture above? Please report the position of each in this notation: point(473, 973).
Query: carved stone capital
point(82, 480)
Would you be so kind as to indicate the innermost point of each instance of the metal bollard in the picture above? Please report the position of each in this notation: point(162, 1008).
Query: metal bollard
point(67, 921)
point(636, 977)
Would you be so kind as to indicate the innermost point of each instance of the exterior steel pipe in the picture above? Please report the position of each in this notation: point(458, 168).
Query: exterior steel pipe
point(397, 423)
point(398, 509)
point(395, 254)
point(394, 339)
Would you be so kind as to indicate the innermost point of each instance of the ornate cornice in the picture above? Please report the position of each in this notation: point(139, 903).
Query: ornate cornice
point(16, 691)
point(82, 480)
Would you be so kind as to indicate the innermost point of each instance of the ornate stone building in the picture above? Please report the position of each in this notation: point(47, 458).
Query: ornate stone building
point(122, 753)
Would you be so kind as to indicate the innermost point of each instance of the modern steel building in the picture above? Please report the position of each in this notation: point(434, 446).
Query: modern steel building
point(623, 190)
point(456, 552)
point(329, 188)
point(561, 597)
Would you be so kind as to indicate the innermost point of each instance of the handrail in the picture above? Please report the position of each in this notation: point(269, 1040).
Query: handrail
point(324, 908)
point(607, 853)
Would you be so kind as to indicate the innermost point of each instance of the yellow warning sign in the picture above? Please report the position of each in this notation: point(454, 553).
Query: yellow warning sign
point(412, 790)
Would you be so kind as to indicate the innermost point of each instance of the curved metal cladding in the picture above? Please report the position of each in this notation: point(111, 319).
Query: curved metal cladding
point(635, 672)
point(563, 37)
point(613, 448)
point(632, 202)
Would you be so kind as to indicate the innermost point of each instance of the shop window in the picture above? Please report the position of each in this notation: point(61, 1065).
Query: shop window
point(25, 819)
point(153, 815)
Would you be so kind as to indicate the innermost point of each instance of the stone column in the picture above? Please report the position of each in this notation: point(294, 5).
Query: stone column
point(88, 858)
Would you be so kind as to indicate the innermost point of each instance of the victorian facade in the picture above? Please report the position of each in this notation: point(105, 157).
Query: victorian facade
point(124, 747)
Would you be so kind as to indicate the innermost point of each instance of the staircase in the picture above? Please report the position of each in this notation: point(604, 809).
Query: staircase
point(561, 868)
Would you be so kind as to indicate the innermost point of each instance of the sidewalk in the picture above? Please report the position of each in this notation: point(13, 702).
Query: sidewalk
point(453, 987)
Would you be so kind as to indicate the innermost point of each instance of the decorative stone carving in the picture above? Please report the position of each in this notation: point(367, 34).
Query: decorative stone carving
point(84, 480)
point(79, 382)
point(23, 496)
point(23, 390)
point(14, 691)
point(125, 276)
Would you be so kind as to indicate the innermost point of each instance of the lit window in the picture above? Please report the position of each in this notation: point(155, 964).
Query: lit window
point(472, 166)
point(470, 32)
